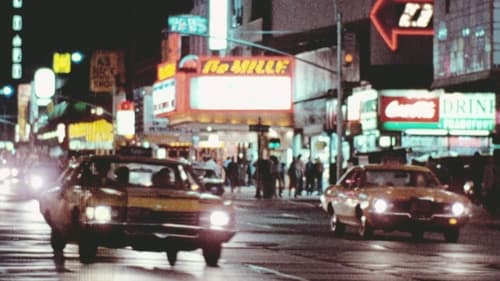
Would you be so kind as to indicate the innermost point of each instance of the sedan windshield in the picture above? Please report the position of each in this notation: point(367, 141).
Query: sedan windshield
point(381, 178)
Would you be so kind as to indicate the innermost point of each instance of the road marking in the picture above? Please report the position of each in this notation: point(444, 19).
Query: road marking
point(266, 270)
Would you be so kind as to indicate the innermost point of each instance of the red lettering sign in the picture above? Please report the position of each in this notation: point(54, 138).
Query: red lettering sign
point(402, 109)
point(392, 18)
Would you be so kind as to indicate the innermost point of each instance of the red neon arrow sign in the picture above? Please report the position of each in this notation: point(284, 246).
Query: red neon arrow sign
point(390, 33)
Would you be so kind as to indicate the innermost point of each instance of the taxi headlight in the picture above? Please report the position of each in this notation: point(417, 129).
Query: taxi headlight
point(219, 218)
point(458, 209)
point(380, 206)
point(99, 213)
point(36, 182)
point(4, 173)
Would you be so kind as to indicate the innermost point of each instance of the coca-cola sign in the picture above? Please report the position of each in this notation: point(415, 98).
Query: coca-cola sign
point(403, 109)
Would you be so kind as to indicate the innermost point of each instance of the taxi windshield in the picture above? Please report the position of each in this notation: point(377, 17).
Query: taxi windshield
point(381, 178)
point(139, 174)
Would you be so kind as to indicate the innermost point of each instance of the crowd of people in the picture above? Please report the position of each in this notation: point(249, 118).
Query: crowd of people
point(271, 177)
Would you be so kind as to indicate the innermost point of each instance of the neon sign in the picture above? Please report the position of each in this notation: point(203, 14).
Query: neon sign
point(247, 66)
point(393, 18)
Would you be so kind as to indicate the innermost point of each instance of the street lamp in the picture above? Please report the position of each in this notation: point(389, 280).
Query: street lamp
point(5, 91)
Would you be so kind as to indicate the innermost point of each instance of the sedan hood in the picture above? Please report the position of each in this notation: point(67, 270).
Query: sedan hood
point(404, 193)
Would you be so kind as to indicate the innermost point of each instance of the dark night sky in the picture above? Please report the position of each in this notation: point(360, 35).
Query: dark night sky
point(83, 25)
point(68, 25)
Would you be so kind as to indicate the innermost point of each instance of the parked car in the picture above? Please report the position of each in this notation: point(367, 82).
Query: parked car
point(392, 197)
point(145, 203)
point(209, 177)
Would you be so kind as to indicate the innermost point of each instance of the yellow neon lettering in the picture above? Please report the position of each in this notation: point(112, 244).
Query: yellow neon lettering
point(282, 66)
point(210, 66)
point(259, 69)
point(270, 67)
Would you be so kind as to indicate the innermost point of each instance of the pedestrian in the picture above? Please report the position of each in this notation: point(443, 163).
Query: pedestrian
point(318, 167)
point(491, 184)
point(299, 175)
point(292, 178)
point(477, 171)
point(310, 174)
point(232, 174)
point(275, 173)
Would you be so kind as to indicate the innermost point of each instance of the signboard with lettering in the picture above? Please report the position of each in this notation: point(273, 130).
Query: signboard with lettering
point(394, 18)
point(188, 24)
point(103, 69)
point(468, 111)
point(164, 96)
point(409, 109)
point(246, 66)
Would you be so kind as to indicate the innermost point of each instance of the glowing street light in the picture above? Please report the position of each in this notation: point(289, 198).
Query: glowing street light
point(6, 90)
point(76, 57)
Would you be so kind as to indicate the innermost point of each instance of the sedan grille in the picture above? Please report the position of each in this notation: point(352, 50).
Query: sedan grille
point(419, 208)
point(145, 215)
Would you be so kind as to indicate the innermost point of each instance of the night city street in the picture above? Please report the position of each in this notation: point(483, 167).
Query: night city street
point(278, 239)
point(222, 140)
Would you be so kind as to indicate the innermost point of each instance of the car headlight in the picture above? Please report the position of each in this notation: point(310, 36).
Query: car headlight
point(36, 182)
point(4, 173)
point(219, 218)
point(380, 206)
point(458, 209)
point(101, 214)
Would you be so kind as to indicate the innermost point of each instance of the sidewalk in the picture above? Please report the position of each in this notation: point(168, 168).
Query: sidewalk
point(247, 193)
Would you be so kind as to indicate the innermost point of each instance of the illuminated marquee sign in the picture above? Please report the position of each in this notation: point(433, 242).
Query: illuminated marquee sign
point(247, 66)
point(392, 18)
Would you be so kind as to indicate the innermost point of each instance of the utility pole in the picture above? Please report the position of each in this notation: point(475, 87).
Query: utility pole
point(340, 90)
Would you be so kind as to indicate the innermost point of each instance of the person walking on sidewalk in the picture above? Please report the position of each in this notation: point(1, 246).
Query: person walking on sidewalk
point(318, 172)
point(310, 174)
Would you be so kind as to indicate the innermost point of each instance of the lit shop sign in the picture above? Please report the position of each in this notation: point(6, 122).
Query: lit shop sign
point(17, 41)
point(125, 119)
point(90, 135)
point(164, 96)
point(190, 24)
point(468, 111)
point(61, 62)
point(392, 18)
point(247, 66)
point(166, 70)
point(402, 109)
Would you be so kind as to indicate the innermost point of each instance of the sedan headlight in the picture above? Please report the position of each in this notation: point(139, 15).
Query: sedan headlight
point(36, 182)
point(101, 214)
point(380, 206)
point(219, 219)
point(458, 209)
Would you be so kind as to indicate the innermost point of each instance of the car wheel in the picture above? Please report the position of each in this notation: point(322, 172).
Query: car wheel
point(172, 257)
point(211, 253)
point(451, 235)
point(57, 241)
point(87, 249)
point(336, 226)
point(365, 229)
point(417, 235)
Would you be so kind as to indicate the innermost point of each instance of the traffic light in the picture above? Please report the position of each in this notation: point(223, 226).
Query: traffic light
point(348, 58)
point(274, 143)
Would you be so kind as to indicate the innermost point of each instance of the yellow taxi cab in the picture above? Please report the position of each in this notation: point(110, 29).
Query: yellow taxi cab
point(395, 197)
point(140, 202)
